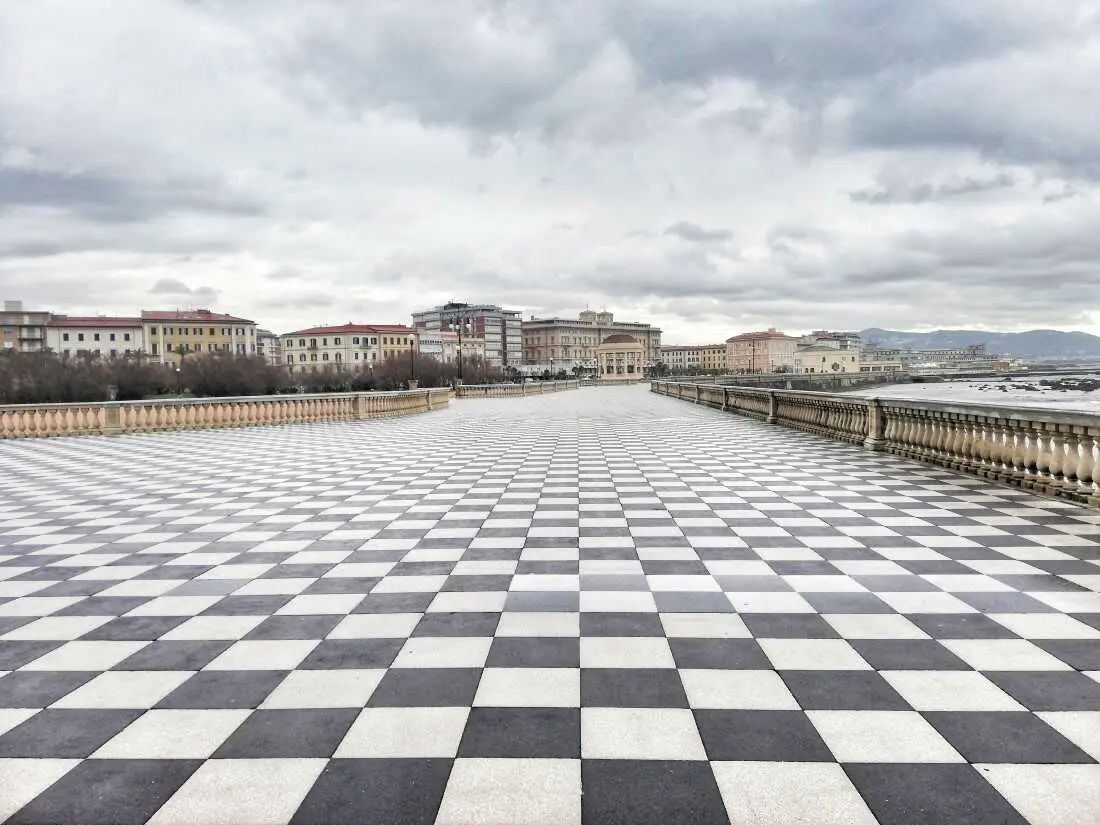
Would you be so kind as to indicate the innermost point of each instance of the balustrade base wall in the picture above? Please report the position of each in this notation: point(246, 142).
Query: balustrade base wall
point(1051, 453)
point(119, 417)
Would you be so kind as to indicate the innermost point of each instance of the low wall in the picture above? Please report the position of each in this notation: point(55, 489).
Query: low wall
point(817, 381)
point(1054, 453)
point(116, 417)
point(508, 390)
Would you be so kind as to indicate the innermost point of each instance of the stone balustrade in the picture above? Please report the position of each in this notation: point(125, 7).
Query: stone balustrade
point(1051, 452)
point(508, 390)
point(113, 418)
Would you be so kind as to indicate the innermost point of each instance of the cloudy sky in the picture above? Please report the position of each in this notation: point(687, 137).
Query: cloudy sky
point(707, 165)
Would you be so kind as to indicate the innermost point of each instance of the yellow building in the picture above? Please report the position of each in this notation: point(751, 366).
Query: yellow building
point(695, 358)
point(171, 335)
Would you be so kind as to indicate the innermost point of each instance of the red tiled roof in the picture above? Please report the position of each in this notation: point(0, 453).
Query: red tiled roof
point(351, 329)
point(201, 315)
point(691, 347)
point(96, 321)
point(759, 336)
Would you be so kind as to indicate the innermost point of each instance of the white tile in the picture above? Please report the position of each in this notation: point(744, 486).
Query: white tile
point(173, 734)
point(704, 626)
point(1082, 728)
point(200, 628)
point(13, 717)
point(688, 584)
point(56, 627)
point(1048, 794)
point(393, 733)
point(1068, 602)
point(124, 689)
point(231, 791)
point(640, 733)
point(24, 779)
point(534, 687)
point(1003, 654)
point(37, 605)
point(80, 655)
point(925, 602)
point(14, 589)
point(881, 736)
point(348, 688)
point(626, 652)
point(790, 793)
point(443, 651)
point(360, 570)
point(874, 626)
point(528, 582)
point(812, 654)
point(737, 689)
point(492, 791)
point(1045, 626)
point(318, 557)
point(282, 654)
point(824, 584)
point(376, 626)
point(539, 624)
point(734, 567)
point(949, 690)
point(148, 588)
point(972, 583)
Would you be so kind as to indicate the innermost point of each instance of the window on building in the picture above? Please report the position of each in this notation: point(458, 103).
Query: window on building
point(112, 336)
point(168, 347)
point(355, 341)
point(95, 336)
point(356, 356)
point(114, 353)
point(313, 342)
point(324, 342)
point(64, 336)
point(213, 331)
point(154, 349)
point(336, 341)
point(302, 357)
point(313, 357)
point(125, 336)
point(211, 347)
point(80, 336)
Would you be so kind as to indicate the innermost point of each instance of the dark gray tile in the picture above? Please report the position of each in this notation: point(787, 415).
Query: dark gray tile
point(788, 626)
point(287, 734)
point(760, 736)
point(294, 627)
point(122, 791)
point(427, 687)
point(169, 655)
point(358, 654)
point(632, 688)
point(64, 734)
point(1012, 737)
point(907, 654)
point(650, 793)
point(731, 654)
point(530, 733)
point(540, 651)
point(457, 624)
point(406, 791)
point(1049, 690)
point(842, 690)
point(39, 688)
point(923, 794)
point(237, 689)
point(621, 624)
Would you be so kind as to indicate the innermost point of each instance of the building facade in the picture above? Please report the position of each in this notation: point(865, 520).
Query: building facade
point(110, 337)
point(499, 328)
point(442, 345)
point(687, 359)
point(560, 343)
point(172, 335)
point(348, 346)
point(23, 329)
point(822, 358)
point(270, 346)
point(767, 351)
point(621, 357)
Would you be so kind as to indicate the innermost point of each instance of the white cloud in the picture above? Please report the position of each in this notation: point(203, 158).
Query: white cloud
point(305, 162)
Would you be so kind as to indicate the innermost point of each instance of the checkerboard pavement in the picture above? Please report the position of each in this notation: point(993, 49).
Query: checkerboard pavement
point(472, 616)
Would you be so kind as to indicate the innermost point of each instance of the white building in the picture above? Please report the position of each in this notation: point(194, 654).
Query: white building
point(351, 346)
point(498, 328)
point(269, 346)
point(102, 335)
point(442, 345)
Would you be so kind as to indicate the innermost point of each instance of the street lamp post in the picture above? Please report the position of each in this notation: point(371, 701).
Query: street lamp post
point(179, 388)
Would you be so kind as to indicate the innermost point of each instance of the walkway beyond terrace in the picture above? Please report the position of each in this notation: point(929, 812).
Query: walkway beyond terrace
point(473, 615)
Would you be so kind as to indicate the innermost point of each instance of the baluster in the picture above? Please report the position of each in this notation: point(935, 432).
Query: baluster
point(1032, 451)
point(1017, 453)
point(1085, 466)
point(1094, 496)
point(1045, 444)
point(1057, 460)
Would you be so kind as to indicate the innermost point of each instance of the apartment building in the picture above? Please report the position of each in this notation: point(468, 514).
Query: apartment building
point(688, 359)
point(102, 335)
point(766, 351)
point(442, 345)
point(819, 358)
point(23, 329)
point(269, 346)
point(172, 335)
point(499, 328)
point(350, 346)
point(562, 343)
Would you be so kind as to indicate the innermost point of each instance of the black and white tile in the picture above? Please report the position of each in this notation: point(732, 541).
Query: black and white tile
point(601, 606)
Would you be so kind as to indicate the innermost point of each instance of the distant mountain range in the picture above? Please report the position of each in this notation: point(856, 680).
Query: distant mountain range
point(1033, 345)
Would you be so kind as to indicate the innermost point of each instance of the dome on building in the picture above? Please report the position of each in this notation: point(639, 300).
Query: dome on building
point(620, 338)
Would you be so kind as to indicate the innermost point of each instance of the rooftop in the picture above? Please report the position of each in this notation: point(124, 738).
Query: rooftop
point(96, 321)
point(201, 315)
point(350, 329)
